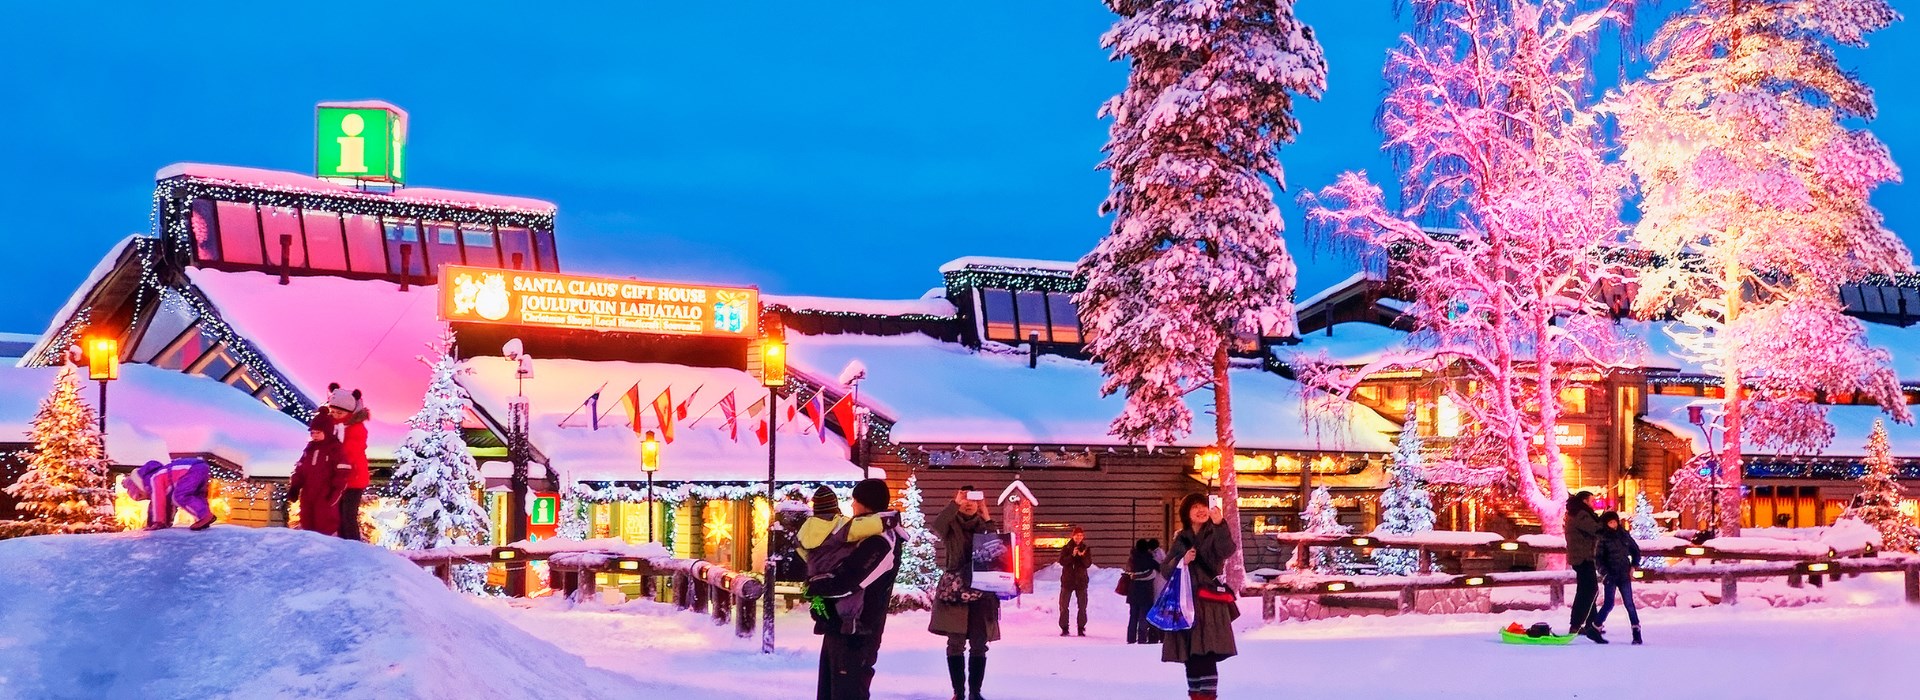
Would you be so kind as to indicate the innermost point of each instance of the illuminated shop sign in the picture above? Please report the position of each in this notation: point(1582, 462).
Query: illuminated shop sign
point(360, 140)
point(541, 299)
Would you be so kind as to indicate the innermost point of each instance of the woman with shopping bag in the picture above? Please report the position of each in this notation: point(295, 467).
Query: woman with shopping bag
point(966, 615)
point(1193, 567)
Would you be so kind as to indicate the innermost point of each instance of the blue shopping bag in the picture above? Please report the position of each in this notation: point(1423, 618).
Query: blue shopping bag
point(1173, 609)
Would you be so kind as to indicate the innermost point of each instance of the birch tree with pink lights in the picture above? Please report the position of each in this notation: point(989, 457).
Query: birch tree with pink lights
point(1755, 209)
point(1195, 258)
point(1492, 118)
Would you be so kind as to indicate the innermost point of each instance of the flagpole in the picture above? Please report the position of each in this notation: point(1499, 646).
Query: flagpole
point(636, 408)
point(576, 409)
point(703, 414)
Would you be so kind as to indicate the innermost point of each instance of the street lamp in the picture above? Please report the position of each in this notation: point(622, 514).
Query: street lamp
point(1697, 416)
point(649, 463)
point(103, 365)
point(1209, 463)
point(773, 375)
point(519, 454)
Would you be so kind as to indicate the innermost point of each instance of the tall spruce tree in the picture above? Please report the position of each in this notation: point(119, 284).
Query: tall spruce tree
point(65, 487)
point(1195, 258)
point(440, 483)
point(1405, 505)
point(1880, 496)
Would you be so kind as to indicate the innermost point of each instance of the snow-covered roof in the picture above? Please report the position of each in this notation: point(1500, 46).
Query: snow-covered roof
point(700, 451)
point(317, 330)
point(363, 104)
point(80, 294)
point(1338, 287)
point(257, 178)
point(1851, 425)
point(945, 393)
point(153, 413)
point(875, 307)
point(1351, 344)
point(981, 262)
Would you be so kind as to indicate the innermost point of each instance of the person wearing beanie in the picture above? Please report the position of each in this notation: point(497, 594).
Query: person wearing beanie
point(825, 521)
point(1582, 530)
point(350, 414)
point(1617, 555)
point(851, 596)
point(1075, 559)
point(319, 479)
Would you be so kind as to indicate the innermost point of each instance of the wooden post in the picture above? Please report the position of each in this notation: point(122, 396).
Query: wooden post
point(1795, 579)
point(444, 572)
point(749, 617)
point(1730, 590)
point(682, 590)
point(1913, 584)
point(589, 584)
point(1817, 580)
point(646, 586)
point(1406, 600)
point(1426, 561)
point(722, 606)
point(1556, 595)
point(1267, 602)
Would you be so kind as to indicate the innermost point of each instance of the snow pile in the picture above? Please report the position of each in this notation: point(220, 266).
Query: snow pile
point(254, 613)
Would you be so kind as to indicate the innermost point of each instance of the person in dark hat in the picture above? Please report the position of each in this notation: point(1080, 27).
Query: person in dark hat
point(851, 612)
point(319, 479)
point(1583, 532)
point(1075, 559)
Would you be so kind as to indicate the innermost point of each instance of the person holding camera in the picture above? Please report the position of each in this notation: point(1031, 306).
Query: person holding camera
point(1075, 559)
point(968, 618)
point(1204, 545)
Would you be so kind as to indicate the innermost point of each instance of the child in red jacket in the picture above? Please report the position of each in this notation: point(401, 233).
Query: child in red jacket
point(319, 479)
point(347, 409)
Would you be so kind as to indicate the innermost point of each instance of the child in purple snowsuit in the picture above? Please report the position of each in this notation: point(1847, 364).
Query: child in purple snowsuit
point(181, 483)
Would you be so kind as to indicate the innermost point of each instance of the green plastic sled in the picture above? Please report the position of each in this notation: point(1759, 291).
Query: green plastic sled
point(1522, 638)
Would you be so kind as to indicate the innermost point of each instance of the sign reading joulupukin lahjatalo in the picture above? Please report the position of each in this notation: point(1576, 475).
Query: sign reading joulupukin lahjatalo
point(542, 299)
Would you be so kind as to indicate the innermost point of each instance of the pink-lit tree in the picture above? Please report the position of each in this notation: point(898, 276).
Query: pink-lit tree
point(1491, 115)
point(1195, 258)
point(1755, 206)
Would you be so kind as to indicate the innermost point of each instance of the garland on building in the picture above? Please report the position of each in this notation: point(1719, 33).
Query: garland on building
point(673, 494)
point(918, 569)
point(1405, 506)
point(439, 477)
point(1880, 496)
point(1644, 528)
point(65, 488)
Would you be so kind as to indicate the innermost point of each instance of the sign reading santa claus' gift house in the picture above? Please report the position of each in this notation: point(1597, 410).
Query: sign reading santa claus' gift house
point(528, 298)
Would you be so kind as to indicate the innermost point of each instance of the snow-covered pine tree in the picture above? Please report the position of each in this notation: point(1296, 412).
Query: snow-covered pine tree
point(1880, 496)
point(1755, 192)
point(917, 566)
point(574, 523)
point(65, 487)
point(1643, 527)
point(1492, 119)
point(1195, 258)
point(440, 481)
point(1405, 506)
point(1323, 518)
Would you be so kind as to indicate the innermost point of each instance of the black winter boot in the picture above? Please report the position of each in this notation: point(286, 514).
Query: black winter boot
point(957, 672)
point(1636, 634)
point(976, 672)
point(1594, 634)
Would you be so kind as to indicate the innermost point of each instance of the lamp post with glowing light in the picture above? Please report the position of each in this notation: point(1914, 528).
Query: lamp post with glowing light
point(649, 463)
point(103, 365)
point(1209, 463)
point(773, 375)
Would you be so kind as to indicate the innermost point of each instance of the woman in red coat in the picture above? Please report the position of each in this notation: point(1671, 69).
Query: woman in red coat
point(319, 479)
point(350, 411)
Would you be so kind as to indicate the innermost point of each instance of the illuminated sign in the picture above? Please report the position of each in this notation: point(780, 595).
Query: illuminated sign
point(360, 140)
point(525, 298)
point(1565, 436)
point(543, 510)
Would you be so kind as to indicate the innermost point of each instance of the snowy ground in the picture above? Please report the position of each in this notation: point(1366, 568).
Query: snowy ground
point(274, 613)
point(1844, 648)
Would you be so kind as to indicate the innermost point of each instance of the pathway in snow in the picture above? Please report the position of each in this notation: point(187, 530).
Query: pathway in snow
point(1850, 648)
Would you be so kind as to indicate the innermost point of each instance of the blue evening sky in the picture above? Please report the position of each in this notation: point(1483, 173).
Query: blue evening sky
point(842, 148)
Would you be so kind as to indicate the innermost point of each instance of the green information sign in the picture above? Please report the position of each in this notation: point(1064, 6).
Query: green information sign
point(360, 140)
point(543, 509)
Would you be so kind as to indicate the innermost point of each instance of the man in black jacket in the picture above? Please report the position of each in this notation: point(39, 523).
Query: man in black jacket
point(1583, 530)
point(851, 644)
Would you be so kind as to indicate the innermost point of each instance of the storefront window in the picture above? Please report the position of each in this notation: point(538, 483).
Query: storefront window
point(401, 232)
point(1573, 400)
point(365, 252)
point(516, 241)
point(169, 321)
point(325, 248)
point(443, 244)
point(1066, 319)
point(239, 233)
point(201, 218)
point(217, 363)
point(996, 308)
point(544, 250)
point(1032, 307)
point(480, 248)
point(185, 350)
point(283, 223)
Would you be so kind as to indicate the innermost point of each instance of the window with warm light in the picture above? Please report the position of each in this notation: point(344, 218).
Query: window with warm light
point(1573, 399)
point(1446, 419)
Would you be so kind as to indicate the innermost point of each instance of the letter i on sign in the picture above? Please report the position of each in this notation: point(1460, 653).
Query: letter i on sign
point(353, 148)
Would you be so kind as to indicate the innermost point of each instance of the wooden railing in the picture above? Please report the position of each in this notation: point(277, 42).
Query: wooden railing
point(1728, 562)
point(573, 570)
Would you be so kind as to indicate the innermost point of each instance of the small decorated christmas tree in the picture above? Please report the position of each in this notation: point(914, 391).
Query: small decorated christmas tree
point(440, 483)
point(65, 487)
point(1880, 497)
point(1643, 528)
point(1405, 506)
point(1323, 518)
point(917, 566)
point(573, 516)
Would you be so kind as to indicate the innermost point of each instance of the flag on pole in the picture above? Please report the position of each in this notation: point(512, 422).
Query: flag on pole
point(680, 411)
point(816, 411)
point(732, 418)
point(842, 411)
point(754, 411)
point(593, 409)
point(663, 412)
point(631, 400)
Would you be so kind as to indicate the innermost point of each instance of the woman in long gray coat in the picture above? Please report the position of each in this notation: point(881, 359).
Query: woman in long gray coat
point(968, 626)
point(1204, 545)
